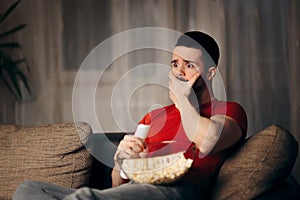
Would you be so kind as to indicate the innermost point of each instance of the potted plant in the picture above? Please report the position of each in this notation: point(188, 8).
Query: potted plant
point(11, 73)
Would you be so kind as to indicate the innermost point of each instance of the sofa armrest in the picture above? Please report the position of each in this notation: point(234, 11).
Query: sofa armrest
point(101, 173)
point(288, 189)
point(53, 153)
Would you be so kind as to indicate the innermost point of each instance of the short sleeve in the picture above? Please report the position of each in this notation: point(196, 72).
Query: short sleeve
point(234, 111)
point(149, 117)
point(145, 120)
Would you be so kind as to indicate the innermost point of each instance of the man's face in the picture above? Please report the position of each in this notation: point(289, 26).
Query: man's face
point(186, 62)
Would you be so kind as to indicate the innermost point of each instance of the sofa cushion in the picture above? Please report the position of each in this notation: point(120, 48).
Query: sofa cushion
point(265, 160)
point(51, 153)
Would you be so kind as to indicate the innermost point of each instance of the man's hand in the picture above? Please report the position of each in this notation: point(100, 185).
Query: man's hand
point(179, 89)
point(130, 147)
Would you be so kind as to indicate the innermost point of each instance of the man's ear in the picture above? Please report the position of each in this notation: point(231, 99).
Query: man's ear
point(211, 72)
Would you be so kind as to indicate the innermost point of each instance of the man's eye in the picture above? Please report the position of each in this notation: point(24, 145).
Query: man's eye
point(189, 65)
point(174, 65)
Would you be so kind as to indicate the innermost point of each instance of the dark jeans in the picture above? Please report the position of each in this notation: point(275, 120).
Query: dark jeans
point(33, 190)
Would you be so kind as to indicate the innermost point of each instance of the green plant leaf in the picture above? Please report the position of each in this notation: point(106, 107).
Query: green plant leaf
point(23, 61)
point(10, 45)
point(8, 11)
point(24, 80)
point(11, 90)
point(11, 31)
point(20, 61)
point(22, 75)
point(11, 71)
point(9, 75)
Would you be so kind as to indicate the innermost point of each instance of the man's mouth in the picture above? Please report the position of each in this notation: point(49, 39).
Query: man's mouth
point(181, 78)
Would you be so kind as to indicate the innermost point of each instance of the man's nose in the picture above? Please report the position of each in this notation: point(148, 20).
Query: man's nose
point(180, 70)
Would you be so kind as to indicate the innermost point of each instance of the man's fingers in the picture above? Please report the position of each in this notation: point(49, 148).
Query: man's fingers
point(132, 138)
point(122, 155)
point(132, 146)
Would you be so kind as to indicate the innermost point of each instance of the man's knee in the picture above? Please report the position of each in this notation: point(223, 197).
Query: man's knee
point(26, 187)
point(81, 193)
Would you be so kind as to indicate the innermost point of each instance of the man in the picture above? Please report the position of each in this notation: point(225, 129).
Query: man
point(215, 127)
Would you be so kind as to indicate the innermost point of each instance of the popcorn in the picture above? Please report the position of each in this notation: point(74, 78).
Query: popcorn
point(157, 170)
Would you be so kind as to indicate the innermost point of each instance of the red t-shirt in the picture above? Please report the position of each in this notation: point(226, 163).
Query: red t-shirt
point(165, 124)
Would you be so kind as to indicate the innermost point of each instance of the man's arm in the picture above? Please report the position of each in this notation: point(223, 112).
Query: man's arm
point(210, 135)
point(129, 147)
point(116, 178)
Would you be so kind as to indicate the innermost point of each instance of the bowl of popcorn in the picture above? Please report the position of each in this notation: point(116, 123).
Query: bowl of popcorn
point(160, 163)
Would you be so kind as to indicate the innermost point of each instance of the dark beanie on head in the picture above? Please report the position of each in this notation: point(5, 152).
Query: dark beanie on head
point(197, 39)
